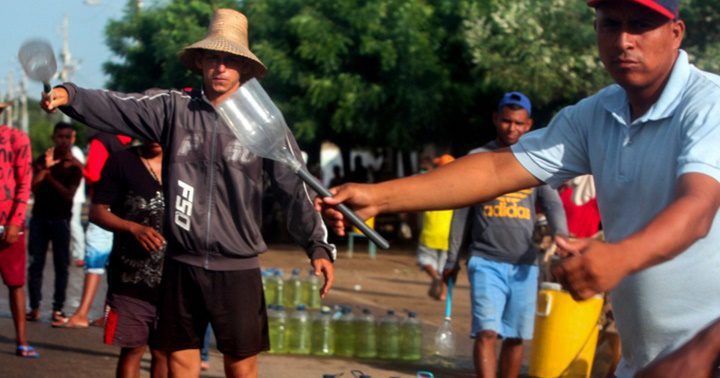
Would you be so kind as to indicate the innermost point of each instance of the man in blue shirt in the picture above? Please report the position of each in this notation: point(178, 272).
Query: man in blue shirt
point(502, 264)
point(651, 142)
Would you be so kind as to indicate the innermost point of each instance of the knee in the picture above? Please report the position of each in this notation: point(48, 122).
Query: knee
point(486, 336)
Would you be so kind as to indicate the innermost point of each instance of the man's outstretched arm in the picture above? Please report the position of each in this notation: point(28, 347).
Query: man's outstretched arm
point(469, 180)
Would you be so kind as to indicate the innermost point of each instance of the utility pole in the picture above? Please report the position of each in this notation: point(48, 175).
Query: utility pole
point(69, 65)
point(10, 97)
point(24, 119)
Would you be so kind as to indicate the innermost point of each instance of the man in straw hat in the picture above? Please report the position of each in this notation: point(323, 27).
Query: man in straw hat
point(212, 272)
point(651, 143)
point(15, 162)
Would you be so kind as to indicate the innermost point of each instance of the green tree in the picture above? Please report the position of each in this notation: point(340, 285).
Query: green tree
point(545, 48)
point(702, 18)
point(146, 43)
point(359, 73)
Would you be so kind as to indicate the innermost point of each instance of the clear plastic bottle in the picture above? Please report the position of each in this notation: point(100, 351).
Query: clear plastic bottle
point(345, 333)
point(411, 338)
point(323, 333)
point(365, 337)
point(299, 331)
point(389, 336)
point(269, 289)
point(311, 291)
point(293, 289)
point(275, 285)
point(277, 324)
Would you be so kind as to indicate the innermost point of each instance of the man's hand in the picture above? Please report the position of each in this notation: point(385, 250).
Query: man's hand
point(590, 266)
point(447, 274)
point(359, 197)
point(11, 234)
point(148, 237)
point(55, 98)
point(50, 158)
point(326, 268)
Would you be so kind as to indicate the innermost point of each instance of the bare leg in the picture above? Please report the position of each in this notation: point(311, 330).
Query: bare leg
point(434, 291)
point(159, 364)
point(485, 356)
point(17, 307)
point(129, 362)
point(184, 363)
point(241, 367)
point(511, 354)
point(90, 286)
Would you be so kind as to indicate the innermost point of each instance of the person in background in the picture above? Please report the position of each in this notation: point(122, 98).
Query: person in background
point(128, 201)
point(433, 242)
point(502, 265)
point(98, 241)
point(212, 270)
point(15, 162)
point(56, 176)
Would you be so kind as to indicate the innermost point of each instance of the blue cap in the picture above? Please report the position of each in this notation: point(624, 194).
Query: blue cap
point(515, 98)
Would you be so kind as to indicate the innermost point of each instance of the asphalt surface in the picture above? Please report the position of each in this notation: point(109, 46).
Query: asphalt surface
point(390, 281)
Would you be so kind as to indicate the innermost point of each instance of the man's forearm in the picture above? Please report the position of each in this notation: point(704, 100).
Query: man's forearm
point(686, 220)
point(466, 181)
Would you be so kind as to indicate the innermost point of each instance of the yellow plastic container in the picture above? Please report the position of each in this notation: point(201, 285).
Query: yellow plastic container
point(566, 334)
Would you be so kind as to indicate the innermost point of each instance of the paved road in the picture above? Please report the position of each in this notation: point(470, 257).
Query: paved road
point(80, 353)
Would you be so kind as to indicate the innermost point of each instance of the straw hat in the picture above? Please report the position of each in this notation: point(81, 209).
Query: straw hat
point(227, 33)
point(4, 105)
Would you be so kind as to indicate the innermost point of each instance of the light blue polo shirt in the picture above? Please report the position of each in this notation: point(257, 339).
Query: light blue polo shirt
point(636, 166)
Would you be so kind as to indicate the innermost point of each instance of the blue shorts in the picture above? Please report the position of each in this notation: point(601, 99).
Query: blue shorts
point(98, 244)
point(503, 297)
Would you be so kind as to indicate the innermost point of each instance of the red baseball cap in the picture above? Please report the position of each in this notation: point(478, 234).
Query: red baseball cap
point(667, 8)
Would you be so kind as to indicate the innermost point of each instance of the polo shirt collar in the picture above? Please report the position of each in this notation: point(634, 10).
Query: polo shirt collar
point(665, 106)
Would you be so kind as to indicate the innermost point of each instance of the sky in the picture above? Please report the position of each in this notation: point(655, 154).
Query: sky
point(26, 19)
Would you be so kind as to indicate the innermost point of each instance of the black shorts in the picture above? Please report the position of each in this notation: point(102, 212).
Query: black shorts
point(232, 301)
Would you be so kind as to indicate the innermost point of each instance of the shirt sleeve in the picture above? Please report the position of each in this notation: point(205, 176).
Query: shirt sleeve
point(108, 188)
point(304, 223)
point(97, 156)
point(458, 234)
point(558, 152)
point(22, 160)
point(552, 206)
point(701, 143)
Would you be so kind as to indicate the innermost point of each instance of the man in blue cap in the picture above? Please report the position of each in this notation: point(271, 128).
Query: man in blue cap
point(651, 143)
point(501, 264)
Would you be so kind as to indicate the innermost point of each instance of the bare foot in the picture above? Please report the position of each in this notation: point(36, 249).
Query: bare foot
point(71, 322)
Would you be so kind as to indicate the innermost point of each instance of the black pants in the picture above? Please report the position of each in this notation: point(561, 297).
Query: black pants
point(42, 232)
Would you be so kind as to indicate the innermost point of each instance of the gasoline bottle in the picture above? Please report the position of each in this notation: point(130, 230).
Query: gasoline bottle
point(365, 337)
point(299, 331)
point(293, 289)
point(411, 338)
point(277, 324)
point(389, 335)
point(323, 333)
point(345, 333)
point(311, 291)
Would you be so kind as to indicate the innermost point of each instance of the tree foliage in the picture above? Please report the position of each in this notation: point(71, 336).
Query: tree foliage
point(702, 18)
point(394, 73)
point(147, 42)
point(544, 48)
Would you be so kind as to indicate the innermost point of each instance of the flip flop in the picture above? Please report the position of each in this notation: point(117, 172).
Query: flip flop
point(32, 315)
point(65, 323)
point(26, 351)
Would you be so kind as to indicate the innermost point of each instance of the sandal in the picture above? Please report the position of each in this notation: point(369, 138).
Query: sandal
point(58, 317)
point(26, 351)
point(32, 315)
